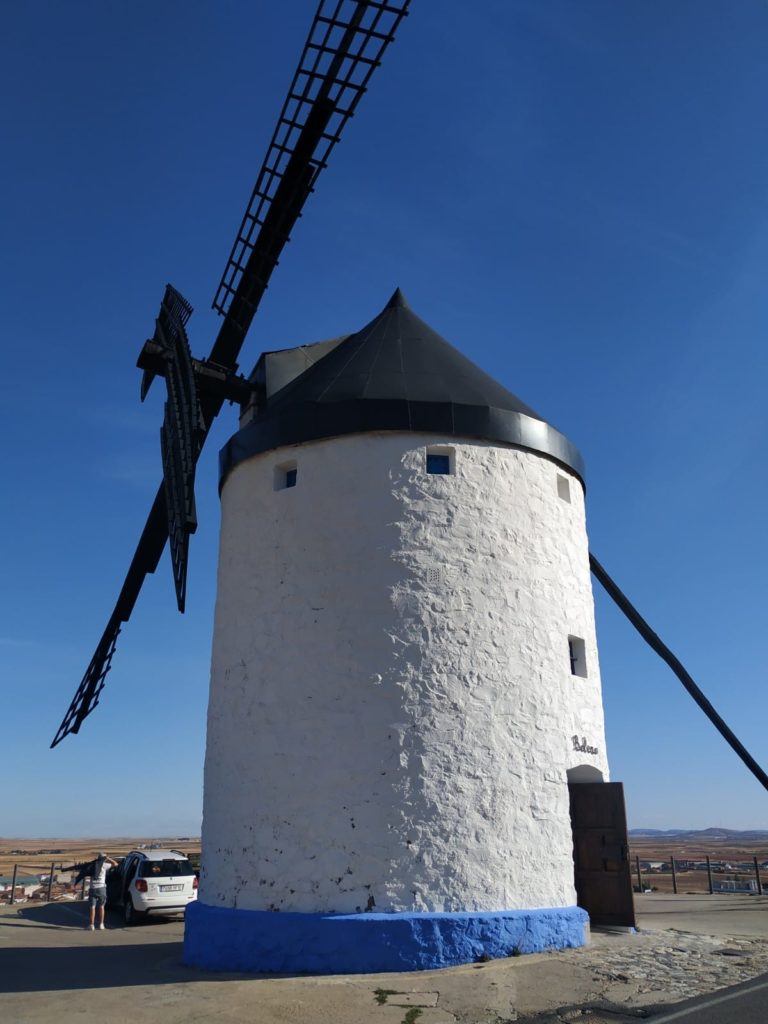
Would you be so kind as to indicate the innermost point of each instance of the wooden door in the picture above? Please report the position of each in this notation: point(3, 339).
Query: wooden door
point(601, 852)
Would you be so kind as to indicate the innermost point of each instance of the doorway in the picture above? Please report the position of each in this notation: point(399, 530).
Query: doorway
point(601, 849)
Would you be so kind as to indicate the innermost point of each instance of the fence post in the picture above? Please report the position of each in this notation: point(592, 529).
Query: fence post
point(639, 876)
point(50, 882)
point(757, 876)
point(13, 884)
point(674, 876)
point(709, 876)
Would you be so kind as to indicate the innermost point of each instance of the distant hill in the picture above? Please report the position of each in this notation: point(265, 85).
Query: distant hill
point(729, 834)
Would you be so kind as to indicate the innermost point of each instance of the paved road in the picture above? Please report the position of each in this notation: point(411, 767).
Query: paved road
point(744, 1004)
point(722, 914)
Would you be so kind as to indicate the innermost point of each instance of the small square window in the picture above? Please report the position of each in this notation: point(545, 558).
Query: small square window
point(440, 464)
point(577, 656)
point(285, 476)
point(441, 460)
point(564, 488)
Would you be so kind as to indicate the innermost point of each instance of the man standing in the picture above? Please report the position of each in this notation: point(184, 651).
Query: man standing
point(96, 870)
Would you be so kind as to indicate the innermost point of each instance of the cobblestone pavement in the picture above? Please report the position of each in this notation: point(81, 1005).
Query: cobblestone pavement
point(676, 964)
point(652, 968)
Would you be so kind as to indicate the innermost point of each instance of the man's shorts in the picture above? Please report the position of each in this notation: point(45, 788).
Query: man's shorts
point(97, 896)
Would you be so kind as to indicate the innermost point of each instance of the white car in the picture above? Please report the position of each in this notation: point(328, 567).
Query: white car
point(151, 881)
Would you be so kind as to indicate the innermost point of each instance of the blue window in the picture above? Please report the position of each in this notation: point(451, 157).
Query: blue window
point(440, 464)
point(285, 475)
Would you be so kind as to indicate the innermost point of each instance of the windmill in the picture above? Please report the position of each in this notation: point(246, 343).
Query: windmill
point(345, 45)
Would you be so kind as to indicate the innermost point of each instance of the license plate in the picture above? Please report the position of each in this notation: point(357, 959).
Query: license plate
point(171, 888)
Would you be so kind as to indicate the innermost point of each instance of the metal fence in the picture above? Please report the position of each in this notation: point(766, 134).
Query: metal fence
point(38, 871)
point(734, 876)
point(18, 886)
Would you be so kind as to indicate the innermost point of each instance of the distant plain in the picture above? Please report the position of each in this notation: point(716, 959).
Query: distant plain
point(730, 849)
point(35, 856)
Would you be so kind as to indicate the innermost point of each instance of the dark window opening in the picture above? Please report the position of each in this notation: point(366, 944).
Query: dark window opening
point(440, 464)
point(577, 656)
point(285, 476)
point(165, 868)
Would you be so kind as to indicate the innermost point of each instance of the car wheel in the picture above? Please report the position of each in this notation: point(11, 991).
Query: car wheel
point(130, 913)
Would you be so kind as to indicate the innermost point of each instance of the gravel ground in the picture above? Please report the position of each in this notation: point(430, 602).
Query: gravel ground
point(634, 976)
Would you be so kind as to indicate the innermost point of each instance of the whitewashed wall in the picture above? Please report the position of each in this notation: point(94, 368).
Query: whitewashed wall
point(392, 706)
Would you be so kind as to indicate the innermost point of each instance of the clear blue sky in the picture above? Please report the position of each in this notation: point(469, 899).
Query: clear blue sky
point(573, 193)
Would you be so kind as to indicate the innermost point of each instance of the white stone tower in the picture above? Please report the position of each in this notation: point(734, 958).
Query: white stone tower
point(404, 667)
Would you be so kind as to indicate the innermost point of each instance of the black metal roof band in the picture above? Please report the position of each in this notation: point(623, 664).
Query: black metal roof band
point(396, 374)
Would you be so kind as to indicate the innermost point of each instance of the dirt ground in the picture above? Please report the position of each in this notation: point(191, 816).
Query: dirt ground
point(653, 848)
point(723, 851)
point(35, 856)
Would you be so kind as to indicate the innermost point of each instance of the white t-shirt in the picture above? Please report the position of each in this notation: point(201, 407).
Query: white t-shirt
point(100, 874)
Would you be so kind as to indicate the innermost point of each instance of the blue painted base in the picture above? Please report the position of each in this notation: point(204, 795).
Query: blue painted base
point(221, 939)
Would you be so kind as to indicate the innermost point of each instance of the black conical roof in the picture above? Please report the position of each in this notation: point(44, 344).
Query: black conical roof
point(397, 373)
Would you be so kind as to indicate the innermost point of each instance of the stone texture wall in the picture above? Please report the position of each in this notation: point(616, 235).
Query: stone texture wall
point(392, 704)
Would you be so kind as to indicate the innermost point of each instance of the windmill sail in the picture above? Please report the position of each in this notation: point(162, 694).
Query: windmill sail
point(181, 434)
point(658, 645)
point(345, 45)
point(340, 55)
point(87, 696)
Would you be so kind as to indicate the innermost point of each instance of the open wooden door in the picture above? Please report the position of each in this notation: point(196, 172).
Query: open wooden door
point(601, 852)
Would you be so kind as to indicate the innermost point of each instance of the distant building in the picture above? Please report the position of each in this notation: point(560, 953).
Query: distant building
point(743, 886)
